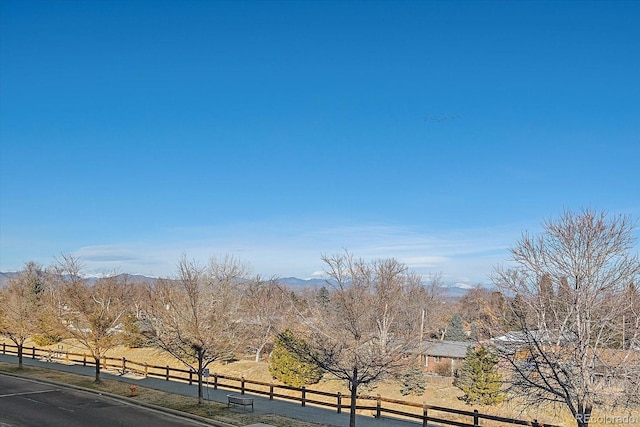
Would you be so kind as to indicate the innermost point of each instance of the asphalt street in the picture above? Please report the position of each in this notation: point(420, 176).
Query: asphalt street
point(25, 402)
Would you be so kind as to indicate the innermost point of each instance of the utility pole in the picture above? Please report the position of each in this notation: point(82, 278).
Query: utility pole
point(421, 335)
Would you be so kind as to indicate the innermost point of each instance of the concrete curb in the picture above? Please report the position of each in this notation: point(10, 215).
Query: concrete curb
point(128, 400)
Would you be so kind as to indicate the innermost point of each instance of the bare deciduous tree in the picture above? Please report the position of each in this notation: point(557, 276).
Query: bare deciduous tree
point(365, 327)
point(264, 309)
point(194, 316)
point(484, 310)
point(20, 303)
point(93, 314)
point(570, 290)
point(430, 298)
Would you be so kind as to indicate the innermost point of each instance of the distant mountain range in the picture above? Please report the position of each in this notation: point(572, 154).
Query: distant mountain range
point(5, 277)
point(453, 291)
point(131, 278)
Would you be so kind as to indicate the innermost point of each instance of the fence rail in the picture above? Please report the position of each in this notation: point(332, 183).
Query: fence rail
point(420, 412)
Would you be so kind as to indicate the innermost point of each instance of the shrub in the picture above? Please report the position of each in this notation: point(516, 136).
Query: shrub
point(443, 369)
point(43, 340)
point(289, 367)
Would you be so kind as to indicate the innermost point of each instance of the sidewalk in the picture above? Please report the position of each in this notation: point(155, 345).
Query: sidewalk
point(262, 405)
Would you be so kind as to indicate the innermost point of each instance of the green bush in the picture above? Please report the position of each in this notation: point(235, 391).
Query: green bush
point(288, 367)
point(43, 340)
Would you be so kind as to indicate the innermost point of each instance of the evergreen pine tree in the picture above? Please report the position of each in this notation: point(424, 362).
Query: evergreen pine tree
point(132, 336)
point(413, 382)
point(479, 378)
point(288, 367)
point(323, 297)
point(455, 331)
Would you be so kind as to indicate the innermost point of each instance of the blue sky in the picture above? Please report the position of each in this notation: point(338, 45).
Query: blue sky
point(435, 132)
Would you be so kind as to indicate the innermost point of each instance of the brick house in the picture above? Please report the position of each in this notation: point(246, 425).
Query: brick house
point(443, 357)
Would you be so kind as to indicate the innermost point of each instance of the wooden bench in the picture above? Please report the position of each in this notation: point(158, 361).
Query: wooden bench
point(53, 356)
point(239, 400)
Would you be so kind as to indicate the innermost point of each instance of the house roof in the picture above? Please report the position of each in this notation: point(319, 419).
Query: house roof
point(530, 336)
point(453, 349)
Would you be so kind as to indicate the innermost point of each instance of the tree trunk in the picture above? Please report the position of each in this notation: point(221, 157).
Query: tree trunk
point(20, 353)
point(354, 398)
point(583, 415)
point(259, 351)
point(97, 359)
point(200, 396)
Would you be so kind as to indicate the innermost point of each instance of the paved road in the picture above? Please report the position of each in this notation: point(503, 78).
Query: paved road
point(25, 402)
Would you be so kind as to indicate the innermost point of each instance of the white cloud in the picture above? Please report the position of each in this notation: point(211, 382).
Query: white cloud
point(124, 258)
point(463, 285)
point(318, 274)
point(465, 256)
point(424, 261)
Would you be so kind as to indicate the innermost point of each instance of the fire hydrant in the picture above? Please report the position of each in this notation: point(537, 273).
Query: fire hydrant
point(133, 390)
